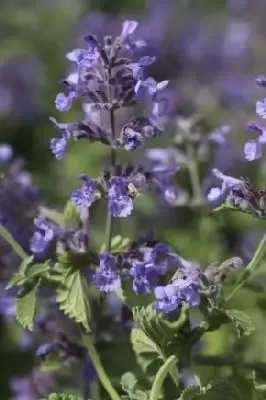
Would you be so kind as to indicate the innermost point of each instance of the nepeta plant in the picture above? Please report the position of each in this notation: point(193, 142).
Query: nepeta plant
point(163, 290)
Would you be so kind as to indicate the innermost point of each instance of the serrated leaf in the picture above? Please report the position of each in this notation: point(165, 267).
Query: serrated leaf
point(241, 322)
point(221, 389)
point(190, 393)
point(71, 216)
point(145, 349)
point(26, 307)
point(74, 297)
point(30, 273)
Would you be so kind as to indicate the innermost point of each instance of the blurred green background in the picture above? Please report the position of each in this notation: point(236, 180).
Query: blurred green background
point(211, 51)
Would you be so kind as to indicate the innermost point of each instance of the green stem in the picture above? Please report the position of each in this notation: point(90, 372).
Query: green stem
point(160, 377)
point(11, 241)
point(254, 263)
point(104, 379)
point(109, 222)
point(173, 371)
point(193, 171)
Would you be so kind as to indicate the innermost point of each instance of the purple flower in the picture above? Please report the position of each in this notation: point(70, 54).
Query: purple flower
point(120, 204)
point(261, 108)
point(157, 261)
point(63, 103)
point(149, 87)
point(45, 234)
point(84, 58)
point(6, 153)
point(131, 139)
point(216, 194)
point(144, 277)
point(167, 299)
point(163, 170)
point(125, 37)
point(7, 305)
point(36, 386)
point(58, 145)
point(88, 194)
point(183, 289)
point(253, 150)
point(22, 389)
point(89, 371)
point(219, 136)
point(138, 67)
point(261, 80)
point(158, 116)
point(106, 278)
point(45, 349)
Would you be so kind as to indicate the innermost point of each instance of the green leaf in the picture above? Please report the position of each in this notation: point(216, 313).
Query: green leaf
point(241, 322)
point(118, 244)
point(74, 297)
point(221, 389)
point(52, 215)
point(71, 216)
point(128, 382)
point(30, 273)
point(26, 307)
point(145, 349)
point(190, 393)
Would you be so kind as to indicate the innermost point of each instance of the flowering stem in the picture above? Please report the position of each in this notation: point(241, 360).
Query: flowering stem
point(105, 381)
point(193, 171)
point(109, 222)
point(12, 242)
point(254, 263)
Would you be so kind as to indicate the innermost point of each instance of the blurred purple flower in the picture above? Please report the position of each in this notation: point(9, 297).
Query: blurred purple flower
point(6, 153)
point(106, 278)
point(89, 193)
point(45, 234)
point(261, 108)
point(217, 194)
point(120, 203)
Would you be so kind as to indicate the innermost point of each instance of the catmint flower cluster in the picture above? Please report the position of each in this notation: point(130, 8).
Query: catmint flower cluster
point(106, 81)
